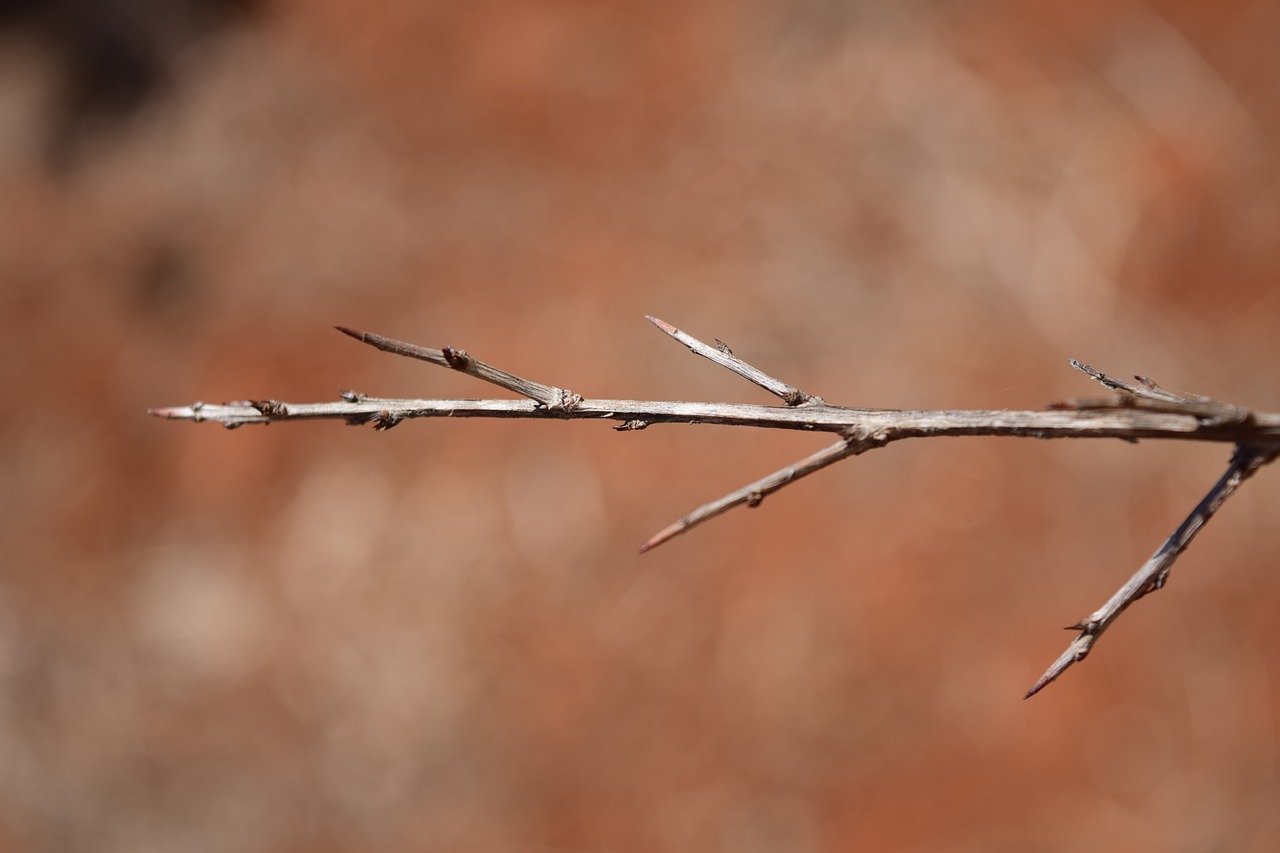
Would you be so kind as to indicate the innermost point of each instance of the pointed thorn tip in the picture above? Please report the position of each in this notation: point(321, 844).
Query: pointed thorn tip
point(661, 324)
point(1037, 687)
point(657, 539)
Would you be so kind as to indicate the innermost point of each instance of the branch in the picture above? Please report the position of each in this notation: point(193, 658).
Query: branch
point(1155, 572)
point(1135, 412)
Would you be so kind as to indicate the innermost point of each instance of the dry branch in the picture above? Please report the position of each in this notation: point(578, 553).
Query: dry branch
point(1144, 410)
point(1152, 576)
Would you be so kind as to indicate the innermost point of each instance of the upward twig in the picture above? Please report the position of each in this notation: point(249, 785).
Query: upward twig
point(548, 396)
point(753, 493)
point(1137, 411)
point(724, 357)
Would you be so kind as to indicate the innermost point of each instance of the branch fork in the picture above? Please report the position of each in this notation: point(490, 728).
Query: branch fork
point(1136, 411)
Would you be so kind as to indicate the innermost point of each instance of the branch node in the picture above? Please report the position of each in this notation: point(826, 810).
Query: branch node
point(270, 408)
point(860, 439)
point(456, 358)
point(565, 401)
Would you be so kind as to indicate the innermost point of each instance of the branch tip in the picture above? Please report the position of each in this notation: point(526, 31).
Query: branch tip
point(668, 532)
point(723, 356)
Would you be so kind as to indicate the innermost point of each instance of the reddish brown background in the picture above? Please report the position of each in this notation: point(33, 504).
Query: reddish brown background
point(309, 637)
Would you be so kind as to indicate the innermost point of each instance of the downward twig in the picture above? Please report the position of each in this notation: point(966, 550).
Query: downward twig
point(753, 493)
point(1144, 410)
point(1155, 572)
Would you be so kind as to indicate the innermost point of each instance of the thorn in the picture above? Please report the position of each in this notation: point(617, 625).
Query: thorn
point(664, 326)
point(354, 333)
point(1084, 368)
point(663, 535)
point(180, 413)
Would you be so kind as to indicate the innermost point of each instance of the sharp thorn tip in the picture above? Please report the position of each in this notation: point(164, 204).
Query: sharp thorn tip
point(661, 324)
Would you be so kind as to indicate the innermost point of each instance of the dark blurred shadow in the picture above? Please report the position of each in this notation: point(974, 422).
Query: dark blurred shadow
point(108, 58)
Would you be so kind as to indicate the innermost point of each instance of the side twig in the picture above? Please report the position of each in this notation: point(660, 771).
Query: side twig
point(1155, 572)
point(1137, 411)
point(547, 396)
point(723, 356)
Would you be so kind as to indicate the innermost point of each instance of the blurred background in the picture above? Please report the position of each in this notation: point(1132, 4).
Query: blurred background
point(313, 637)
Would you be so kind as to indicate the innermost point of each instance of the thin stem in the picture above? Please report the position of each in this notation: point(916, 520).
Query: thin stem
point(547, 396)
point(724, 357)
point(1124, 423)
point(753, 493)
point(1155, 572)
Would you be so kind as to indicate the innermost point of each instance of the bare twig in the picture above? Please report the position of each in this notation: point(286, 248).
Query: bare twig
point(1146, 389)
point(1138, 411)
point(1155, 572)
point(753, 493)
point(724, 357)
point(1148, 395)
point(548, 396)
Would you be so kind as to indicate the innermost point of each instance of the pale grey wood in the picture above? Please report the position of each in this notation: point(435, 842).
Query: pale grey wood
point(723, 356)
point(1155, 572)
point(1142, 411)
